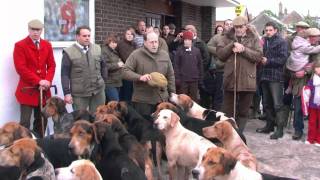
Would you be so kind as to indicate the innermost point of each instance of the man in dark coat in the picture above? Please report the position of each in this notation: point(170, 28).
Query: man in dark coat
point(275, 51)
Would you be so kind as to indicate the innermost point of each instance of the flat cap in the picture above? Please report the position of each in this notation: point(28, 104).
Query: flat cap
point(313, 32)
point(158, 80)
point(302, 24)
point(240, 20)
point(35, 23)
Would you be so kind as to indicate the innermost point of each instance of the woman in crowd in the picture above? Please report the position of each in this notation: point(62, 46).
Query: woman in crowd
point(114, 65)
point(125, 47)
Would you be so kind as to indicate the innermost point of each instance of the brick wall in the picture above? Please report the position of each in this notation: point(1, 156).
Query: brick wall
point(208, 16)
point(190, 14)
point(114, 16)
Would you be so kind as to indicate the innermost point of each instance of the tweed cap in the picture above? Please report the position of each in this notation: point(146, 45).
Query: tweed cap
point(158, 80)
point(35, 23)
point(313, 32)
point(302, 24)
point(187, 35)
point(240, 20)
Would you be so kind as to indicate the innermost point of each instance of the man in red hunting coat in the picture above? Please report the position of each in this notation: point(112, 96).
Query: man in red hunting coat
point(35, 65)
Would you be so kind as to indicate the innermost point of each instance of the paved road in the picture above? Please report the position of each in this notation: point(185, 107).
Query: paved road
point(283, 157)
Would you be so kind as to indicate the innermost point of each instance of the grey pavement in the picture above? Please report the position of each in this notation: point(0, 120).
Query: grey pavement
point(283, 157)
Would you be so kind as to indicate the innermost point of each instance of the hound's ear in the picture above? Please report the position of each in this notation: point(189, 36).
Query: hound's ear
point(187, 107)
point(99, 129)
point(26, 158)
point(174, 108)
point(190, 104)
point(61, 106)
point(174, 119)
point(233, 123)
point(123, 108)
point(95, 133)
point(22, 132)
point(228, 161)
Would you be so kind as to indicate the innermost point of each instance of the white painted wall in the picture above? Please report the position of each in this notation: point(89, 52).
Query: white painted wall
point(15, 15)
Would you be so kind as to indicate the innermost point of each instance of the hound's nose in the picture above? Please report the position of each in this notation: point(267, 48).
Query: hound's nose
point(71, 148)
point(56, 172)
point(195, 173)
point(155, 125)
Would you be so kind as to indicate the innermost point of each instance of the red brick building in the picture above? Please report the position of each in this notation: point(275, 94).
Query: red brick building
point(114, 16)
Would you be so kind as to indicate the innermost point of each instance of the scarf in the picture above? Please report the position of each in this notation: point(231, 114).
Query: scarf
point(316, 84)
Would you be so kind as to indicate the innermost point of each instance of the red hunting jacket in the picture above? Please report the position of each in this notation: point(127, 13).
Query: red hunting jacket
point(33, 65)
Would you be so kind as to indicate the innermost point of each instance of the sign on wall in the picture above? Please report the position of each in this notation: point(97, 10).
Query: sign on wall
point(62, 17)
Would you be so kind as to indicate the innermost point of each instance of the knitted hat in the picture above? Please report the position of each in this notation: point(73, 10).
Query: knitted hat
point(187, 35)
point(36, 24)
point(240, 20)
point(158, 80)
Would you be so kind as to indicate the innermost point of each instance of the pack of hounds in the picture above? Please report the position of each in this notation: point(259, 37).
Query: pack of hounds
point(117, 143)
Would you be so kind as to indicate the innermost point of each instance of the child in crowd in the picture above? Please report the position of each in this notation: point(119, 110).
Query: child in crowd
point(302, 47)
point(311, 93)
point(188, 67)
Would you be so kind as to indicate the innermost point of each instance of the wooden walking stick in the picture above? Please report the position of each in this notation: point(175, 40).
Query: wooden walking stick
point(235, 86)
point(41, 108)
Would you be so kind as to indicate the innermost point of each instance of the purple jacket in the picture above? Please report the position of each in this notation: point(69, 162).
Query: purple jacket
point(312, 89)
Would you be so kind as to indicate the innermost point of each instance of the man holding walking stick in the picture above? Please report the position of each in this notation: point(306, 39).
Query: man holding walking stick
point(35, 65)
point(240, 50)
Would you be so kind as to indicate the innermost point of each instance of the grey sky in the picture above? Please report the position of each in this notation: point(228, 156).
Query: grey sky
point(256, 6)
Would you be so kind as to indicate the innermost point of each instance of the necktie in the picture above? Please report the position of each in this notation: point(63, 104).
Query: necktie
point(37, 44)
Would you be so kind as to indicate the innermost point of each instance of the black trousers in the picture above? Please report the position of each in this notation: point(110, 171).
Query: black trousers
point(144, 109)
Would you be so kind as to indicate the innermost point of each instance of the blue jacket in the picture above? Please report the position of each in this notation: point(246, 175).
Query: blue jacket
point(275, 49)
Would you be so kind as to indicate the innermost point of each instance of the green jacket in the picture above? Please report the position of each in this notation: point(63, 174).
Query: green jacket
point(141, 62)
point(212, 48)
point(114, 71)
point(85, 74)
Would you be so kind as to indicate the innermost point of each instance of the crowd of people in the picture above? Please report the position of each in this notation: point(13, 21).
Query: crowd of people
point(228, 74)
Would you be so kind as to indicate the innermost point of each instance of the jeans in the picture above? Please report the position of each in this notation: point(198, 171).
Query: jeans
point(272, 95)
point(112, 94)
point(298, 116)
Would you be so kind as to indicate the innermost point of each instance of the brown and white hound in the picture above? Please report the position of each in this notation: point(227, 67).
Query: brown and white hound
point(220, 164)
point(78, 170)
